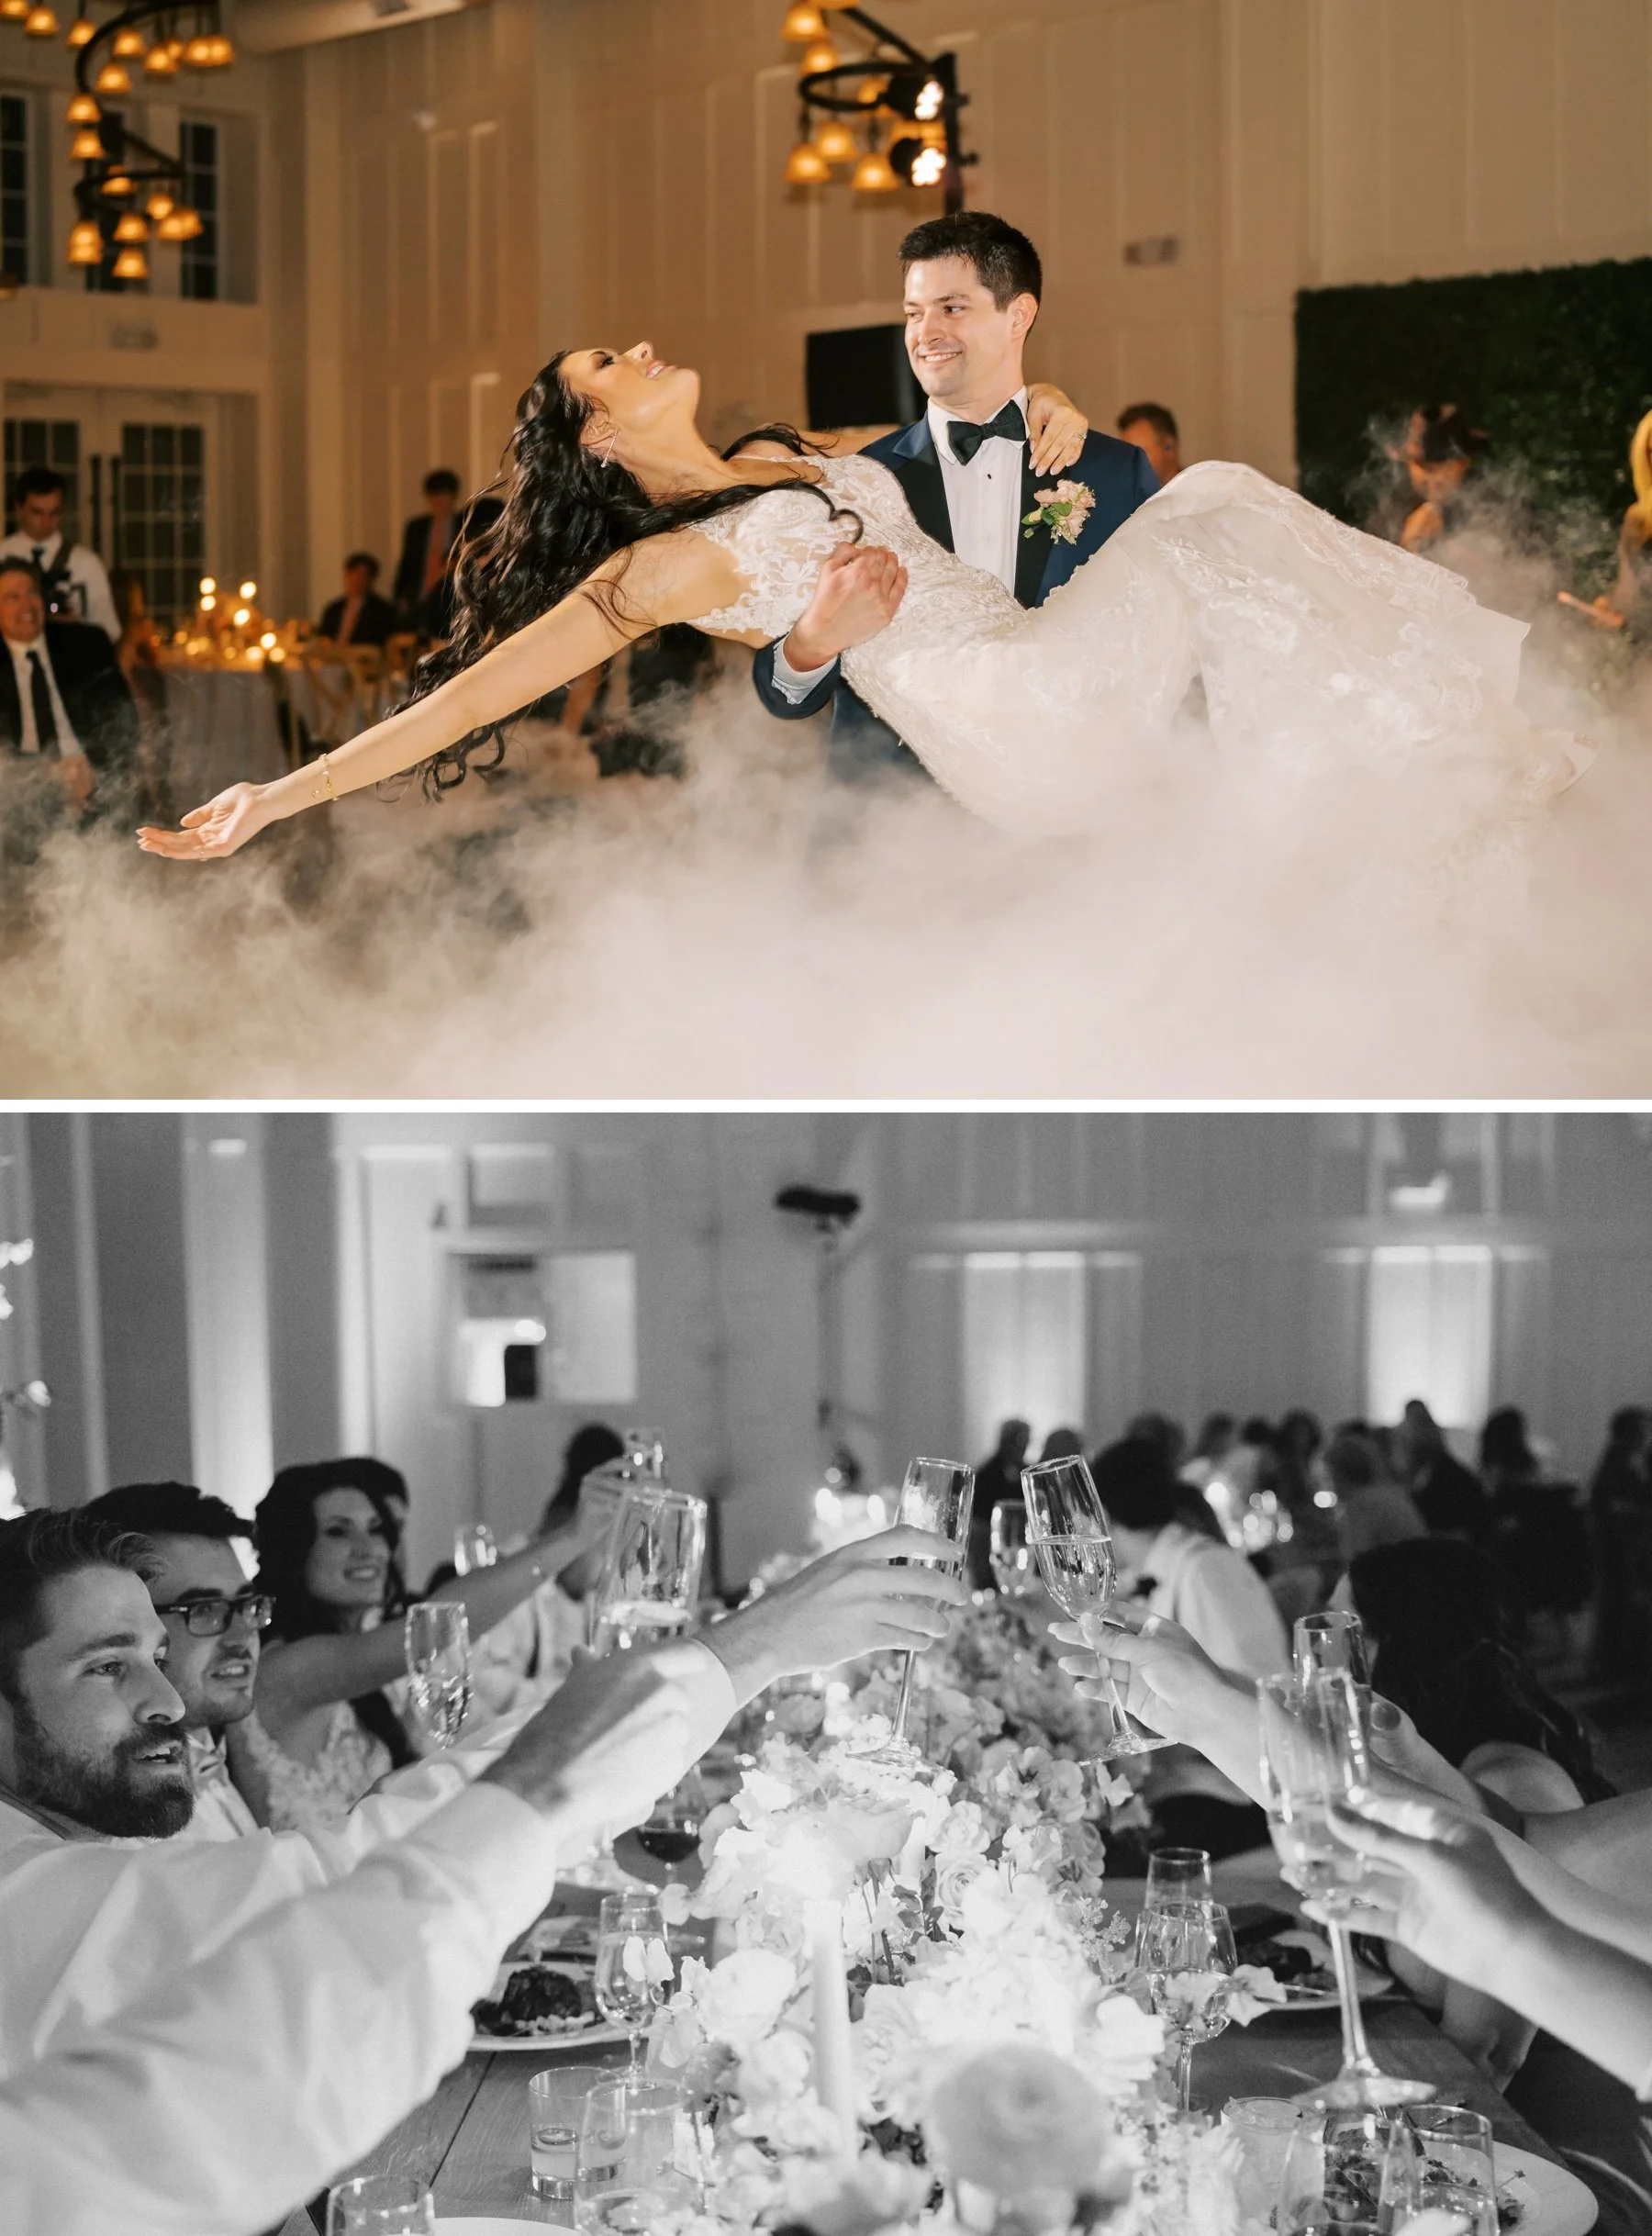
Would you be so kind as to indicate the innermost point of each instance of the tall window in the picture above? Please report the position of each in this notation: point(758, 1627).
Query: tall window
point(160, 531)
point(1024, 1340)
point(198, 152)
point(13, 186)
point(1428, 1332)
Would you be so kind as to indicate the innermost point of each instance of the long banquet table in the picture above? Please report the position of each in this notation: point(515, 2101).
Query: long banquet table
point(470, 2140)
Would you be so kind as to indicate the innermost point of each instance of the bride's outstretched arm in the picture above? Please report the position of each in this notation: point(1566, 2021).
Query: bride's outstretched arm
point(668, 578)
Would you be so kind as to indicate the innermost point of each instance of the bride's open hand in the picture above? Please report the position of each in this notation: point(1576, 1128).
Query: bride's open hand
point(1056, 429)
point(208, 834)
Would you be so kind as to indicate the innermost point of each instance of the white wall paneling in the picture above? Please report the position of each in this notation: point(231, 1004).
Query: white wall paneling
point(227, 1294)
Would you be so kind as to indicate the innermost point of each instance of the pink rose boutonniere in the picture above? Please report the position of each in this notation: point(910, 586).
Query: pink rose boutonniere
point(1063, 510)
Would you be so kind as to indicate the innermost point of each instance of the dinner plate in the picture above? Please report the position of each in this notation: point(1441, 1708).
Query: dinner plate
point(1560, 2204)
point(595, 2036)
point(1368, 1979)
point(494, 2226)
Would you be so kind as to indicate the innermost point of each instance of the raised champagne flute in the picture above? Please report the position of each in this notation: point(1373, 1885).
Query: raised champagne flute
point(936, 1495)
point(1335, 1639)
point(1314, 1757)
point(1067, 1528)
point(436, 1642)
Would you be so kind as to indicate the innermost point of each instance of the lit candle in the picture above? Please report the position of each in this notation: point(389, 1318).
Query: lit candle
point(833, 2062)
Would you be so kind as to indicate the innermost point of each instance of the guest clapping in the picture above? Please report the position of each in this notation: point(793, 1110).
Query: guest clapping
point(361, 616)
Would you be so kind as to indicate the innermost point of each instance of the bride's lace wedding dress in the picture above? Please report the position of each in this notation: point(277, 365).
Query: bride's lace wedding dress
point(1320, 648)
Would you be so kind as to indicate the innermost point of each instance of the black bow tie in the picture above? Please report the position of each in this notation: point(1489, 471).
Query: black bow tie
point(966, 438)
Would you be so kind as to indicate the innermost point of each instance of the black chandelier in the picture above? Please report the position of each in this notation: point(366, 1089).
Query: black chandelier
point(898, 94)
point(117, 165)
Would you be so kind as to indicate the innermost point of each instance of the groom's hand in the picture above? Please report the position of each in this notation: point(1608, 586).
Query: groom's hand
point(857, 594)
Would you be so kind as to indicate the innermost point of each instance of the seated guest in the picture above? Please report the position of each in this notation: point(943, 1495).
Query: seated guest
point(213, 1616)
point(1372, 1508)
point(997, 1479)
point(361, 616)
point(1441, 453)
point(1153, 429)
point(1214, 1594)
point(321, 1730)
point(1620, 1503)
point(1450, 1497)
point(73, 578)
point(90, 1757)
point(62, 698)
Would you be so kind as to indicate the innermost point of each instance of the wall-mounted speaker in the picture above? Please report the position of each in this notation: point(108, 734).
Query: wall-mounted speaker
point(861, 376)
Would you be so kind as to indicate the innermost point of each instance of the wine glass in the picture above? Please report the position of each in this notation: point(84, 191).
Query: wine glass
point(1068, 1531)
point(649, 1586)
point(436, 1641)
point(670, 1831)
point(936, 1495)
point(1013, 1568)
point(381, 2205)
point(1314, 1754)
point(1334, 1640)
point(474, 1548)
point(1188, 1958)
point(634, 1965)
point(1178, 1879)
point(638, 2159)
point(1350, 2173)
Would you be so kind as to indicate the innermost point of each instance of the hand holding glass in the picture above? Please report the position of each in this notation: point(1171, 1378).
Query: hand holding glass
point(436, 1641)
point(1068, 1531)
point(649, 1587)
point(936, 1495)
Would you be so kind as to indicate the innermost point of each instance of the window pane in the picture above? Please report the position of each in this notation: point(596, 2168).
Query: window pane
point(1429, 1332)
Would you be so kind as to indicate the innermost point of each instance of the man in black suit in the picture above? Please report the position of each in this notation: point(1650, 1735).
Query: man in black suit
point(63, 700)
point(361, 616)
point(428, 543)
point(973, 287)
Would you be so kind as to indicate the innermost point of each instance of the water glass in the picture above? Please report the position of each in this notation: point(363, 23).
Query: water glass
point(436, 1641)
point(555, 2106)
point(1178, 1877)
point(638, 2157)
point(1013, 1568)
point(649, 1587)
point(1349, 2174)
point(634, 1965)
point(1188, 1957)
point(1265, 2126)
point(381, 2205)
point(1456, 2167)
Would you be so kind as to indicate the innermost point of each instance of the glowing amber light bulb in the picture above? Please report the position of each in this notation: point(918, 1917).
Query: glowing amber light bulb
point(114, 78)
point(131, 263)
point(160, 62)
point(81, 32)
point(806, 166)
point(874, 174)
point(131, 228)
point(835, 141)
point(85, 148)
point(85, 244)
point(128, 43)
point(803, 23)
point(822, 55)
point(82, 109)
point(41, 23)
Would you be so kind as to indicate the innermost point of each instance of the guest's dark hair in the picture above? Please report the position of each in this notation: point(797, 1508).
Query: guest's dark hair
point(589, 1446)
point(14, 563)
point(1159, 417)
point(1503, 1444)
point(168, 1510)
point(440, 481)
point(1446, 1624)
point(1216, 1430)
point(566, 510)
point(1136, 1485)
point(364, 559)
point(35, 1551)
point(287, 1537)
point(1443, 432)
point(38, 481)
point(1352, 1462)
point(1005, 260)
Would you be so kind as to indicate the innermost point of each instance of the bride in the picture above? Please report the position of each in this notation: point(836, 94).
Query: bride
point(1320, 648)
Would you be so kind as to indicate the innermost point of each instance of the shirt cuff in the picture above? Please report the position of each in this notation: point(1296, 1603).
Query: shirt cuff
point(796, 683)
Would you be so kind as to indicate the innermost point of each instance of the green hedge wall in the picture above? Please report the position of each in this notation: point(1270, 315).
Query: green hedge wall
point(1555, 366)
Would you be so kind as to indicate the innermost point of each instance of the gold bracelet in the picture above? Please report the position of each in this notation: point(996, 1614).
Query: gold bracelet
point(324, 790)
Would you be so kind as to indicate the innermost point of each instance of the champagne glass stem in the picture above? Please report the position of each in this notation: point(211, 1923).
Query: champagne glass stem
point(1184, 2072)
point(1357, 2055)
point(905, 1701)
point(634, 2043)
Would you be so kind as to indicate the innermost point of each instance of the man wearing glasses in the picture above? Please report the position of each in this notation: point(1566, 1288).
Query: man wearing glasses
point(213, 1618)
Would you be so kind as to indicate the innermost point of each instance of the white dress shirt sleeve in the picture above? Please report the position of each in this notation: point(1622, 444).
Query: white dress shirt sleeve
point(241, 2084)
point(796, 683)
point(86, 568)
point(1228, 1608)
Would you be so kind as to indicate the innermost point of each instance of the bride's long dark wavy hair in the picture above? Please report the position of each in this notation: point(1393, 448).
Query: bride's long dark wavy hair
point(566, 509)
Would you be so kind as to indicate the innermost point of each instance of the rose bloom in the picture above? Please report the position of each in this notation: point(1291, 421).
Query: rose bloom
point(740, 1999)
point(1016, 2119)
point(964, 1830)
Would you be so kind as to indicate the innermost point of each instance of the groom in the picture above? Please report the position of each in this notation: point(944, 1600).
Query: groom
point(973, 287)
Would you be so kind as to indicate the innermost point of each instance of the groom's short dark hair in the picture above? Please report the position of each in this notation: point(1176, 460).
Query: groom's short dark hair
point(1005, 260)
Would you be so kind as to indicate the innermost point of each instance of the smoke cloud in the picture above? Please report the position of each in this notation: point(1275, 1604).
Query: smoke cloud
point(756, 932)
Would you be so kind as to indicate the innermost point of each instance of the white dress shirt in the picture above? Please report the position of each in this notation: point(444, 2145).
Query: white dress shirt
point(68, 745)
point(88, 1926)
point(235, 2086)
point(983, 502)
point(88, 577)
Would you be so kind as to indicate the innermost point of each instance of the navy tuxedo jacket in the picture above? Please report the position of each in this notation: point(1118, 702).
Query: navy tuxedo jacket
point(1122, 478)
